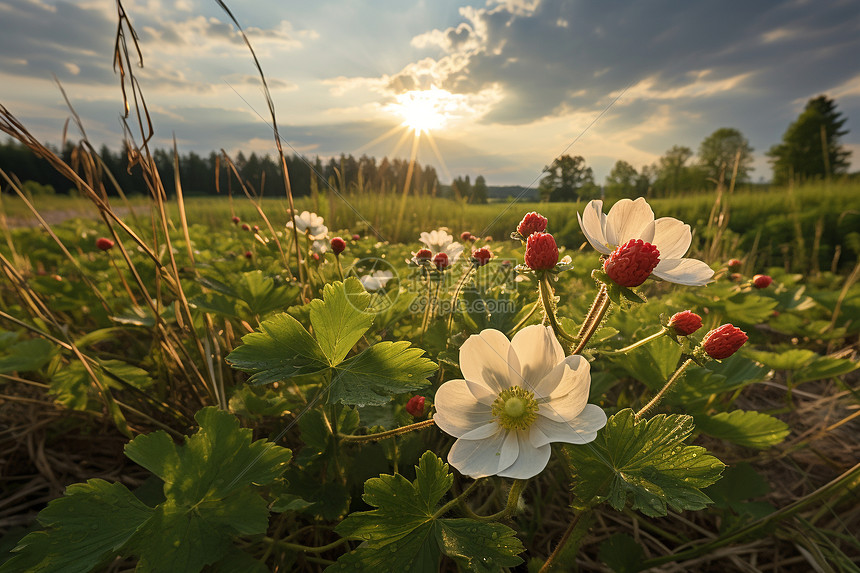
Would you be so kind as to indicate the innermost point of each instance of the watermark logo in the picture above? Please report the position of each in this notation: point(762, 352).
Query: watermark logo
point(380, 279)
point(435, 289)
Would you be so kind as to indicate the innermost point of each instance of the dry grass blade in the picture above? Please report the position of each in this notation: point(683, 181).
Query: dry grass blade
point(271, 104)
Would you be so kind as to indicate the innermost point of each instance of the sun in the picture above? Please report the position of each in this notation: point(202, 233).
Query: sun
point(423, 110)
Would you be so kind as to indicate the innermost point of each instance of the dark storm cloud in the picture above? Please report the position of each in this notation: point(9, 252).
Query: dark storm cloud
point(574, 54)
point(37, 41)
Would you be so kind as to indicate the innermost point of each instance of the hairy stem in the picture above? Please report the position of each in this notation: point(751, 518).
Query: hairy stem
point(387, 434)
point(656, 399)
point(562, 542)
point(592, 320)
point(546, 298)
point(642, 342)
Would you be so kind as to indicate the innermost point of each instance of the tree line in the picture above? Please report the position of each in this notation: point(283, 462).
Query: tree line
point(199, 173)
point(809, 150)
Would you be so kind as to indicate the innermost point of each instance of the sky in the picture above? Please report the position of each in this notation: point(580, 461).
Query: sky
point(497, 88)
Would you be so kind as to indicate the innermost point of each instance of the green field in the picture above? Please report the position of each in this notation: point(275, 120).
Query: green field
point(196, 337)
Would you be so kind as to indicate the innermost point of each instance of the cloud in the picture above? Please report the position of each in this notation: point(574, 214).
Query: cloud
point(555, 56)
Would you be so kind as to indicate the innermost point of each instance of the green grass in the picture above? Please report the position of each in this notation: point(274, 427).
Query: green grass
point(805, 229)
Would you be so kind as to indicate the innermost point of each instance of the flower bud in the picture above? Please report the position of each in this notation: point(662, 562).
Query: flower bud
point(532, 223)
point(356, 237)
point(466, 236)
point(685, 323)
point(256, 228)
point(338, 245)
point(762, 281)
point(482, 256)
point(541, 251)
point(631, 264)
point(249, 255)
point(734, 265)
point(104, 244)
point(235, 220)
point(723, 341)
point(441, 261)
point(423, 255)
point(246, 227)
point(415, 406)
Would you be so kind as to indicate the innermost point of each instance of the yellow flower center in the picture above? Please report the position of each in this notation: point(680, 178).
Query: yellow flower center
point(515, 408)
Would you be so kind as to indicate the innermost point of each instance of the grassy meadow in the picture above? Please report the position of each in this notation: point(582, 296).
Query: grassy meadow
point(99, 347)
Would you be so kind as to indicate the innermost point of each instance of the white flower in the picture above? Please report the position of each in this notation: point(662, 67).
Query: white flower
point(310, 223)
point(377, 280)
point(320, 246)
point(635, 220)
point(440, 241)
point(517, 397)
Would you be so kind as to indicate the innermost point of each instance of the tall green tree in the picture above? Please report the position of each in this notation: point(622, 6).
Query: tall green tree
point(479, 191)
point(719, 151)
point(621, 181)
point(567, 179)
point(673, 173)
point(810, 146)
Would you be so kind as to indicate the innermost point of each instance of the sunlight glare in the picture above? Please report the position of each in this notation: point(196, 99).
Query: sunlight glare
point(423, 110)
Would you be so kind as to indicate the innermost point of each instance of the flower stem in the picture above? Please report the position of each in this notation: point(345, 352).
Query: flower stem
point(642, 342)
point(546, 298)
point(459, 499)
point(339, 267)
point(524, 319)
point(592, 319)
point(387, 434)
point(656, 399)
point(562, 542)
point(305, 548)
point(456, 296)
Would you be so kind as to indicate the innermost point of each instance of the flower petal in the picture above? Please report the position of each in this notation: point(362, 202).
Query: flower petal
point(530, 460)
point(671, 237)
point(573, 374)
point(510, 451)
point(488, 357)
point(538, 351)
point(691, 272)
point(580, 430)
point(567, 406)
point(457, 409)
point(592, 222)
point(629, 220)
point(477, 458)
point(482, 432)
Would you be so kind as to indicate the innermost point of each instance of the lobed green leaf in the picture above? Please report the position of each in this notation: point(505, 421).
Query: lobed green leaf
point(644, 462)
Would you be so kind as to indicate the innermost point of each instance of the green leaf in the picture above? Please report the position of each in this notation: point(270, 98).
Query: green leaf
point(261, 295)
point(89, 525)
point(339, 319)
point(403, 534)
point(206, 486)
point(751, 429)
point(255, 402)
point(793, 359)
point(652, 364)
point(237, 561)
point(482, 547)
point(282, 349)
point(698, 384)
point(738, 484)
point(117, 372)
point(26, 356)
point(825, 367)
point(646, 462)
point(621, 553)
point(384, 369)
